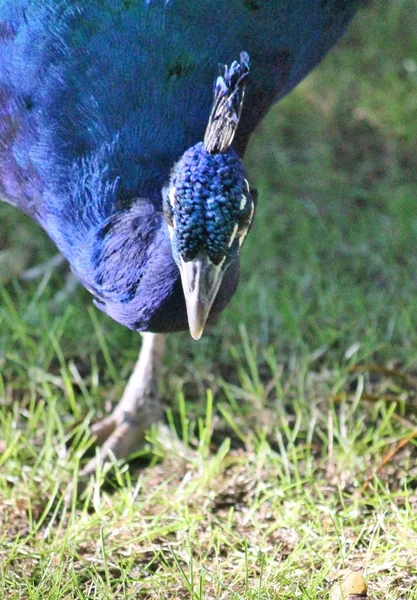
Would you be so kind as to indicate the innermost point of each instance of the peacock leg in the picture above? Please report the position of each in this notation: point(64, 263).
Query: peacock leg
point(123, 432)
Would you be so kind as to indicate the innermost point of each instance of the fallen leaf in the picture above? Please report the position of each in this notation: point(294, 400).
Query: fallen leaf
point(351, 587)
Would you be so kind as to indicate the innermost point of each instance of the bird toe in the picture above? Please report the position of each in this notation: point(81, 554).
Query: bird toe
point(117, 440)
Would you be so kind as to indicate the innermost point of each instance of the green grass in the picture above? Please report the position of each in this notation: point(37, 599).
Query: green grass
point(285, 411)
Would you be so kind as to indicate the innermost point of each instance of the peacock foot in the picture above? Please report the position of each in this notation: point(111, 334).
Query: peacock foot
point(123, 432)
point(119, 436)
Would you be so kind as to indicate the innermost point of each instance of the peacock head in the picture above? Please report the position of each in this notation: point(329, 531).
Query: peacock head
point(207, 203)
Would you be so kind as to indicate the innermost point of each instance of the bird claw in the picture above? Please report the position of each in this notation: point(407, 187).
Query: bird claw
point(102, 430)
point(122, 439)
point(119, 437)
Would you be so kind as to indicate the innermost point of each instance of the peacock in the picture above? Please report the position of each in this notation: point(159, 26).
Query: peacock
point(123, 127)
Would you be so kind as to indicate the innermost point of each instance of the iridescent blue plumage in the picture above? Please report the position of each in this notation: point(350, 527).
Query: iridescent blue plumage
point(99, 101)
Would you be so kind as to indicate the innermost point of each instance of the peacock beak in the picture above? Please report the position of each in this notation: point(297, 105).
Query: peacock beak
point(201, 280)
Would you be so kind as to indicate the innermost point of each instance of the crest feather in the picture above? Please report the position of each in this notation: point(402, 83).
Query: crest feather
point(229, 93)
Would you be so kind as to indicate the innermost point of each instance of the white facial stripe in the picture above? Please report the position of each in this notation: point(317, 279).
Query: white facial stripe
point(171, 196)
point(247, 185)
point(171, 232)
point(232, 237)
point(243, 202)
point(245, 232)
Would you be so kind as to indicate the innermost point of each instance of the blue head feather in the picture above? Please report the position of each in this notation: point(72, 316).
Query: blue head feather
point(207, 199)
point(207, 203)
